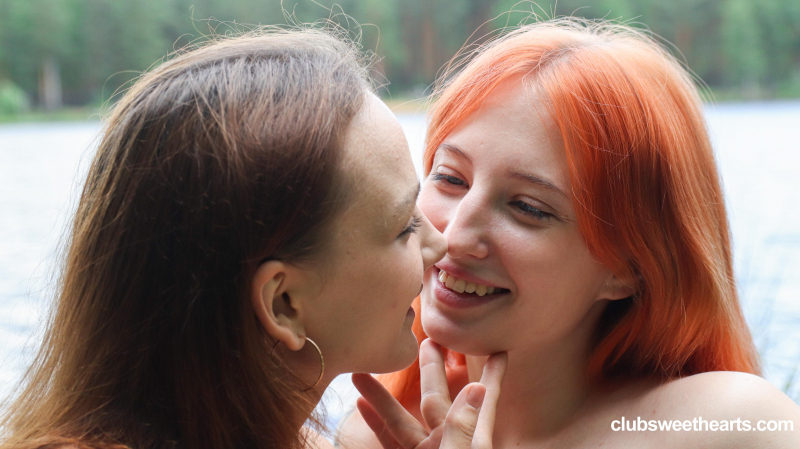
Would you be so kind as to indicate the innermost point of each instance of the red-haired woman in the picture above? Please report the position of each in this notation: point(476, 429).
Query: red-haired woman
point(248, 231)
point(569, 167)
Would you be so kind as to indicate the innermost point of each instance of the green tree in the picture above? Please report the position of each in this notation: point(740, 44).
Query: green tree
point(743, 45)
point(95, 46)
point(117, 40)
point(32, 40)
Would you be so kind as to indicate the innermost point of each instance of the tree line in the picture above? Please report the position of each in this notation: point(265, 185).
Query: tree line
point(79, 52)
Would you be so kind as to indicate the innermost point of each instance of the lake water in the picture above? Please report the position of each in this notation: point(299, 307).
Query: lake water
point(758, 150)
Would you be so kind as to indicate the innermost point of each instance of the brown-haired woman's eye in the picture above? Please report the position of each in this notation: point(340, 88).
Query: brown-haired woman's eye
point(416, 222)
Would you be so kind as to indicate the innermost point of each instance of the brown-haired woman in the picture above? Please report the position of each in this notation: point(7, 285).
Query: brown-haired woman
point(247, 197)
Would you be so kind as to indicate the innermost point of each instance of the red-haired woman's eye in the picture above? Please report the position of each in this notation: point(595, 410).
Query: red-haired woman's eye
point(527, 209)
point(439, 177)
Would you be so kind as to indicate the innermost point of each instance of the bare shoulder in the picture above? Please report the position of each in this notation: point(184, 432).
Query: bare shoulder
point(725, 409)
point(319, 442)
point(725, 392)
point(354, 433)
point(316, 440)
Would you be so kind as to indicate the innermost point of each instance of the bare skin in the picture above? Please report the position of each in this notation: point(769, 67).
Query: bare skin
point(354, 300)
point(354, 303)
point(506, 231)
point(468, 421)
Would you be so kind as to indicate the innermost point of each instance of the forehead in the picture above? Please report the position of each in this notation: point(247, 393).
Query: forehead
point(377, 164)
point(513, 127)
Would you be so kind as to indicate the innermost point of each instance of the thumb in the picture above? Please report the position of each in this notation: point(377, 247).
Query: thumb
point(462, 419)
point(492, 378)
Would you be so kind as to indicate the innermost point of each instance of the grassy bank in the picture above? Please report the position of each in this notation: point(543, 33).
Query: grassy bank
point(398, 104)
point(78, 114)
point(407, 105)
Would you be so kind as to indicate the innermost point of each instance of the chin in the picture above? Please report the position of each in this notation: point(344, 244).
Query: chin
point(456, 337)
point(402, 355)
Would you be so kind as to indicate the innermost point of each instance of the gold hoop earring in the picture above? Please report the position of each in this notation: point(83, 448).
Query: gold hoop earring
point(321, 362)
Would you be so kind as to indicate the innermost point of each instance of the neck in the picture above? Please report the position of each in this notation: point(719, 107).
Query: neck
point(306, 364)
point(544, 387)
point(313, 396)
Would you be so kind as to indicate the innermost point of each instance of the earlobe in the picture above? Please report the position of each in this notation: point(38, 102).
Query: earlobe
point(617, 288)
point(271, 298)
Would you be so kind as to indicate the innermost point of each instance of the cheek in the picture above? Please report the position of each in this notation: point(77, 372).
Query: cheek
point(392, 282)
point(436, 206)
point(368, 318)
point(392, 345)
point(556, 277)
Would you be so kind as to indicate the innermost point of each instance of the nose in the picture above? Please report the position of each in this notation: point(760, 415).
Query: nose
point(434, 245)
point(465, 231)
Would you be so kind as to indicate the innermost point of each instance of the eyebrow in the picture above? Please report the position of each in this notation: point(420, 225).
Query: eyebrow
point(454, 150)
point(523, 176)
point(411, 199)
point(536, 180)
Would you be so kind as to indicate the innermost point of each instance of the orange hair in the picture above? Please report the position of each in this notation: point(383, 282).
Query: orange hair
point(647, 194)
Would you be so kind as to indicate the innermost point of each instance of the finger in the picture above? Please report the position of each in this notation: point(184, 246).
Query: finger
point(435, 398)
point(375, 423)
point(492, 378)
point(462, 420)
point(403, 427)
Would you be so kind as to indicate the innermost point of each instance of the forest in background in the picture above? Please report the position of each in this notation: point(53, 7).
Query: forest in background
point(57, 53)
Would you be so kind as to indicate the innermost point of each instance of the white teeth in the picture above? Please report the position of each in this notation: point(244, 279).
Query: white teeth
point(462, 286)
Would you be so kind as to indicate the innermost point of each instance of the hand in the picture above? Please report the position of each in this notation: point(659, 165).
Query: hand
point(468, 422)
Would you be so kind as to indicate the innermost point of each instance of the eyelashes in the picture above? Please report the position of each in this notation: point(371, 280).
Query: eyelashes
point(527, 209)
point(521, 207)
point(416, 222)
point(449, 179)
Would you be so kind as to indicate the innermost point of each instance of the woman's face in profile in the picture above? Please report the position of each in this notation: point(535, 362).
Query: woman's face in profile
point(382, 244)
point(499, 191)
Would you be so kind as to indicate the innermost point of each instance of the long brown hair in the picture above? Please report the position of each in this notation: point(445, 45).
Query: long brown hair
point(220, 158)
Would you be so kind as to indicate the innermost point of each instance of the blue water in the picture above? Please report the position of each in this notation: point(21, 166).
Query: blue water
point(758, 150)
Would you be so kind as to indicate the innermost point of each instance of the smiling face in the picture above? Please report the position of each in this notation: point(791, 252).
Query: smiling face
point(382, 245)
point(499, 191)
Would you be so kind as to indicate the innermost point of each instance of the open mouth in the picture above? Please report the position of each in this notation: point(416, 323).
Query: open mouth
point(459, 285)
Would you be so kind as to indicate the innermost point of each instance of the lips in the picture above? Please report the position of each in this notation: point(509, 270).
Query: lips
point(457, 292)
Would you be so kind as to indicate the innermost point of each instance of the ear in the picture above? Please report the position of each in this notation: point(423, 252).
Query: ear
point(276, 305)
point(617, 287)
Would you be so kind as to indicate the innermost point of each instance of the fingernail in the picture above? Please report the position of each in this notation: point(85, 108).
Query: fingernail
point(475, 396)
